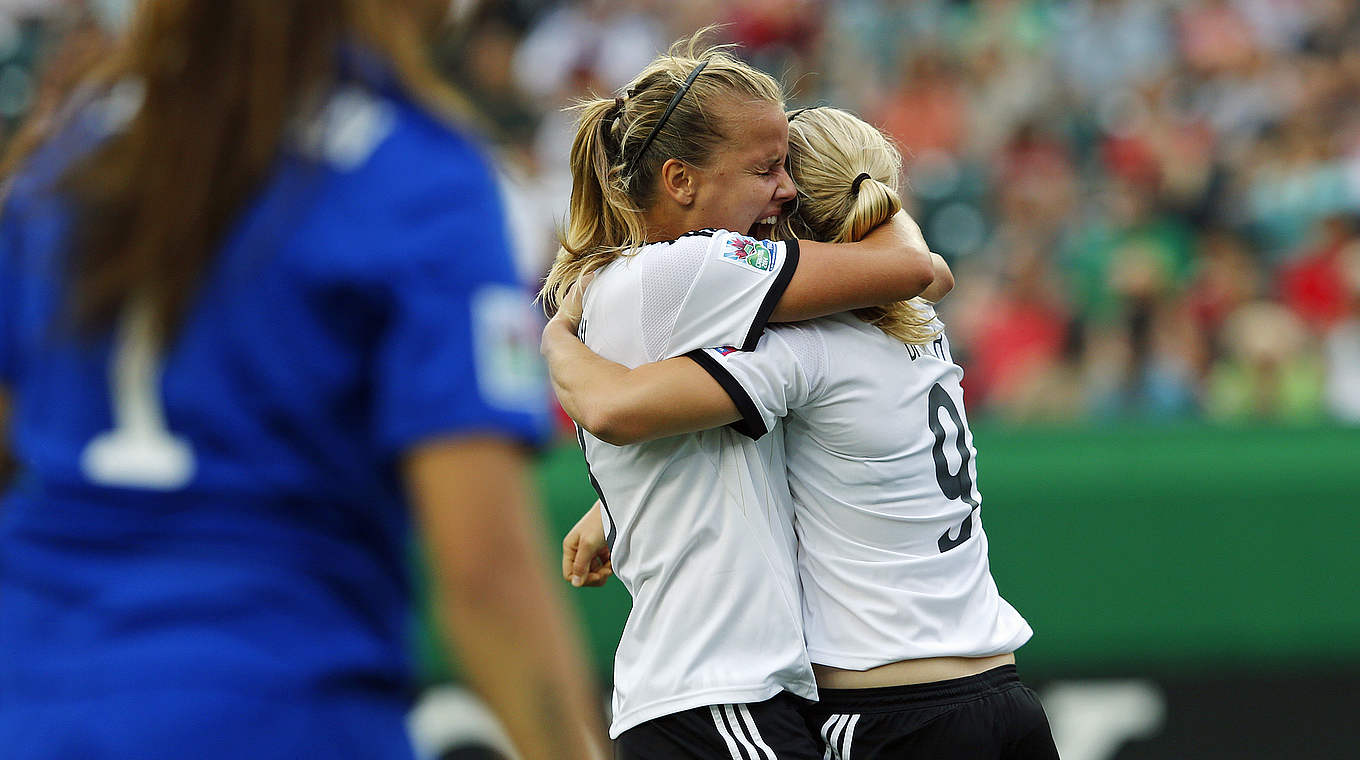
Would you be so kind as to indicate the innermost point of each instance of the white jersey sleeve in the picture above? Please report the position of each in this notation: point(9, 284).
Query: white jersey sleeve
point(711, 288)
point(785, 371)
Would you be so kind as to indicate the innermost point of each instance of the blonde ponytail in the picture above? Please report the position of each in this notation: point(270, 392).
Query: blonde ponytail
point(847, 177)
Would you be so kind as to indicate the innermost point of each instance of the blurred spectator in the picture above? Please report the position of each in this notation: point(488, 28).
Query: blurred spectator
point(1105, 45)
point(929, 111)
point(1313, 284)
point(611, 38)
point(1016, 328)
point(1270, 369)
point(1226, 278)
point(1157, 165)
point(777, 35)
point(1130, 266)
point(1214, 36)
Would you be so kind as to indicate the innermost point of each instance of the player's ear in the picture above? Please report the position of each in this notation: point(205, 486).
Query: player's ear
point(678, 181)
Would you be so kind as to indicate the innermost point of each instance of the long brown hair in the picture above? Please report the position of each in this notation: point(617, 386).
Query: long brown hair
point(608, 202)
point(219, 83)
point(847, 177)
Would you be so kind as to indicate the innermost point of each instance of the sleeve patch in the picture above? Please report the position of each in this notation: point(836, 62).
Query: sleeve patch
point(510, 373)
point(353, 125)
point(757, 254)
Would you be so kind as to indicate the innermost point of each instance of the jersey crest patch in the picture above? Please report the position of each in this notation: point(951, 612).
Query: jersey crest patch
point(505, 330)
point(758, 254)
point(725, 350)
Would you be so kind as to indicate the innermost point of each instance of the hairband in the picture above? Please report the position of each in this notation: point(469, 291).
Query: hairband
point(800, 112)
point(675, 101)
point(854, 186)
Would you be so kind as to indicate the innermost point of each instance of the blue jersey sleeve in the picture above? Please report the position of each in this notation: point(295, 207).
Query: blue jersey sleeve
point(460, 351)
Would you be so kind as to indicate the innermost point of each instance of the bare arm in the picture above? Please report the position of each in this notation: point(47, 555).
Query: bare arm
point(518, 645)
point(944, 280)
point(619, 405)
point(892, 263)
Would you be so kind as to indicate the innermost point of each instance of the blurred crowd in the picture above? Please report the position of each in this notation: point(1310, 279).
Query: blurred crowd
point(1152, 207)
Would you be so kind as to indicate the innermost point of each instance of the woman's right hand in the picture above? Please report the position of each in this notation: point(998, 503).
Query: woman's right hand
point(585, 553)
point(905, 227)
point(892, 263)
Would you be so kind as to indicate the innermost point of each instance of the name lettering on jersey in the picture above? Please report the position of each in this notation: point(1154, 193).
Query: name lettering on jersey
point(757, 254)
point(938, 348)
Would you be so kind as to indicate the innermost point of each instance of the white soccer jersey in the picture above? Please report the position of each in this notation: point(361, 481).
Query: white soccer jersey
point(700, 525)
point(892, 555)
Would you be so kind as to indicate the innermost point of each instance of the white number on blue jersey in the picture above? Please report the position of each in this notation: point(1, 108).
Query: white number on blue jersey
point(139, 452)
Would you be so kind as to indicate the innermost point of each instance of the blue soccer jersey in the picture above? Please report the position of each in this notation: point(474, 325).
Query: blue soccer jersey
point(215, 536)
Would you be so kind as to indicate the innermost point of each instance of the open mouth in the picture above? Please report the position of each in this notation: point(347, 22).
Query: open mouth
point(763, 229)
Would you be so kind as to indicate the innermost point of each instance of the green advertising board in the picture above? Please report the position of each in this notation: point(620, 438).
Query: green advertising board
point(1132, 549)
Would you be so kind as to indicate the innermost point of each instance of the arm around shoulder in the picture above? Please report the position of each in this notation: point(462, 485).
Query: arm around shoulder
point(943, 283)
point(619, 405)
point(890, 264)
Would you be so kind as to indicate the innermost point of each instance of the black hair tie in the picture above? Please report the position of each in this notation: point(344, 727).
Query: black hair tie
point(675, 101)
point(854, 186)
point(607, 125)
point(800, 112)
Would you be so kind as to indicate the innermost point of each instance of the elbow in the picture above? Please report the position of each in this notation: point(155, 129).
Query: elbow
point(941, 287)
point(912, 272)
point(944, 282)
point(916, 278)
point(622, 432)
point(612, 424)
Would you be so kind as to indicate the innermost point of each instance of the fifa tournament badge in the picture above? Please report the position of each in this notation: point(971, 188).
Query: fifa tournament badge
point(758, 254)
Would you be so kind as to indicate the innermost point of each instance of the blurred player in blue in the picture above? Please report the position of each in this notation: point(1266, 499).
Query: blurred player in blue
point(257, 319)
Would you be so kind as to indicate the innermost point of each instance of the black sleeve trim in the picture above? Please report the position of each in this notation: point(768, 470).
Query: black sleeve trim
point(750, 424)
point(776, 292)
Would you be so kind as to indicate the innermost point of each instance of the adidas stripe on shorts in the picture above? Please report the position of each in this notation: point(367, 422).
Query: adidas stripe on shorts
point(769, 730)
point(989, 716)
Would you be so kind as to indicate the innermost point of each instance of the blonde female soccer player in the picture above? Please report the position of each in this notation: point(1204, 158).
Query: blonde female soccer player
point(911, 643)
point(676, 186)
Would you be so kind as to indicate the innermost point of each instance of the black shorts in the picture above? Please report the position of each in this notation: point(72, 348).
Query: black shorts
point(989, 716)
point(769, 730)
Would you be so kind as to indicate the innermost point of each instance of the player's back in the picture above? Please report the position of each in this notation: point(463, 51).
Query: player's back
point(891, 551)
point(700, 525)
point(882, 465)
point(226, 515)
